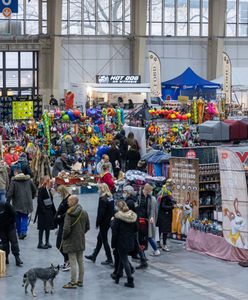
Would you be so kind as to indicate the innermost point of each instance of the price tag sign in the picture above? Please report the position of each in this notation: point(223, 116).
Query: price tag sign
point(66, 180)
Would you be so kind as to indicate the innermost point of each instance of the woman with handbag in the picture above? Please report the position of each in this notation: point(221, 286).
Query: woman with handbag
point(45, 212)
point(59, 220)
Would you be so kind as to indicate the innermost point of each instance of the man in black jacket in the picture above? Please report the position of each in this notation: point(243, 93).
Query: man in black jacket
point(60, 165)
point(8, 231)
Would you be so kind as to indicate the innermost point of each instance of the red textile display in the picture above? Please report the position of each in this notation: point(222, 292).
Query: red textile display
point(237, 130)
point(215, 246)
point(69, 100)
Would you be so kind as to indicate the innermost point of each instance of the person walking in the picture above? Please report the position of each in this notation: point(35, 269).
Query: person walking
point(45, 213)
point(105, 212)
point(59, 219)
point(21, 192)
point(123, 146)
point(4, 180)
point(165, 220)
point(124, 228)
point(75, 227)
point(8, 231)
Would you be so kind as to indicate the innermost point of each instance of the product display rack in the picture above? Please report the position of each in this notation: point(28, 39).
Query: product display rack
point(209, 185)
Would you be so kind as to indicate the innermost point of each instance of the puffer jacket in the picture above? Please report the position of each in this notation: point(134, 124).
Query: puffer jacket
point(124, 229)
point(22, 192)
point(4, 178)
point(75, 226)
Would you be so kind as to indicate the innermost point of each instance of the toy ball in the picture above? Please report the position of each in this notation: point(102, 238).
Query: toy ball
point(71, 115)
point(77, 113)
point(63, 113)
point(65, 118)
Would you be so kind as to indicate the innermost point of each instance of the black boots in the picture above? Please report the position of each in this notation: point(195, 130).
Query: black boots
point(129, 282)
point(42, 246)
point(143, 265)
point(19, 262)
point(90, 257)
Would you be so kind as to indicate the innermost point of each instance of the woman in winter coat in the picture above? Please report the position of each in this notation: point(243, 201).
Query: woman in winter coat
point(165, 219)
point(133, 157)
point(107, 178)
point(59, 220)
point(131, 140)
point(45, 212)
point(124, 229)
point(115, 158)
point(105, 212)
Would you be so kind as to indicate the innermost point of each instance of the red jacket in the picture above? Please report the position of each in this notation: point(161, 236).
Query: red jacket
point(108, 179)
point(10, 158)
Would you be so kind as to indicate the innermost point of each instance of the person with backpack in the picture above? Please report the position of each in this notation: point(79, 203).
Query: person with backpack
point(105, 212)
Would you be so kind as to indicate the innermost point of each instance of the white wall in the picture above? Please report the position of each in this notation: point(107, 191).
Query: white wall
point(83, 59)
point(178, 54)
point(237, 51)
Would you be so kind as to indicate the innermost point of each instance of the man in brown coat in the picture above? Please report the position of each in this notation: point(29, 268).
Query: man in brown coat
point(75, 226)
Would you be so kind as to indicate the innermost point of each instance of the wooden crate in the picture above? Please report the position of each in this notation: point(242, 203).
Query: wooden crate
point(2, 264)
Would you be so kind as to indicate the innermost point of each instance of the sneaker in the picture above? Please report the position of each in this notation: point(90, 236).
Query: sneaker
point(142, 265)
point(165, 248)
point(66, 267)
point(155, 253)
point(90, 257)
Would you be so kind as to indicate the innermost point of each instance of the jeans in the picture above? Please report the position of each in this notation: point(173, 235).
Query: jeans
point(124, 262)
point(21, 223)
point(153, 244)
point(74, 259)
point(102, 239)
point(2, 195)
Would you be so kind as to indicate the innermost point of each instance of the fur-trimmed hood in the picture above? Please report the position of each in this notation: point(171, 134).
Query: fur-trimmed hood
point(128, 217)
point(21, 177)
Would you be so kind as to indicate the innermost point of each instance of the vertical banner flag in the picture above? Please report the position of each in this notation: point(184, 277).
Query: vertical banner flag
point(155, 75)
point(7, 7)
point(234, 198)
point(227, 78)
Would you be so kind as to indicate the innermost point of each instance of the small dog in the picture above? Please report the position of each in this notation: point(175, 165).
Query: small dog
point(45, 274)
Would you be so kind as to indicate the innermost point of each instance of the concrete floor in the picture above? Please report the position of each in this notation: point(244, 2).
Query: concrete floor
point(176, 275)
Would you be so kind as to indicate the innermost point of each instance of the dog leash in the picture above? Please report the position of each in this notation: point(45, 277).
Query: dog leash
point(78, 218)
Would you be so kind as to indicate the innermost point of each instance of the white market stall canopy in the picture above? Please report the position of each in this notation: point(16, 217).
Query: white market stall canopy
point(120, 88)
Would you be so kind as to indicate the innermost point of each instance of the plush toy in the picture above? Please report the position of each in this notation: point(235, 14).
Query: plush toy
point(200, 108)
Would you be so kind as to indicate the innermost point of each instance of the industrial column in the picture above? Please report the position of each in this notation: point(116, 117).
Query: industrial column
point(217, 18)
point(138, 51)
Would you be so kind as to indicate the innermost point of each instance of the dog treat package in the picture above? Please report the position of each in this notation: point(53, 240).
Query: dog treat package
point(2, 264)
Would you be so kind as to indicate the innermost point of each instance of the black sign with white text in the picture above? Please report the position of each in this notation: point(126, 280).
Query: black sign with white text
point(127, 79)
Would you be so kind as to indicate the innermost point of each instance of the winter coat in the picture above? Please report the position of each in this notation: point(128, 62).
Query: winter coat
point(4, 178)
point(114, 155)
point(22, 192)
point(10, 158)
point(124, 229)
point(45, 212)
point(61, 212)
point(7, 216)
point(148, 208)
point(131, 202)
point(68, 147)
point(123, 145)
point(23, 163)
point(108, 179)
point(105, 211)
point(133, 157)
point(76, 225)
point(59, 166)
point(165, 214)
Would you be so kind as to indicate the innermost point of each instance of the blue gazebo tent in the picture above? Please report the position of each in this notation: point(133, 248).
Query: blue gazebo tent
point(189, 84)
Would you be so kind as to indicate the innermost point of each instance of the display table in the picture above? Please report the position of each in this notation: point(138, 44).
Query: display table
point(215, 246)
